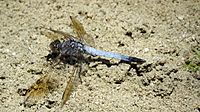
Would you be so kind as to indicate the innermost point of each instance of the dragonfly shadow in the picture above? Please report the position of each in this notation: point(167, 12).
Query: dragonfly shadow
point(108, 63)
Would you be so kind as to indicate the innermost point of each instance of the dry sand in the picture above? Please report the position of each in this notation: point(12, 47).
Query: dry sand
point(162, 32)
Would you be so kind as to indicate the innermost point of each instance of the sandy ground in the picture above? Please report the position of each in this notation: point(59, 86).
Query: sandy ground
point(162, 32)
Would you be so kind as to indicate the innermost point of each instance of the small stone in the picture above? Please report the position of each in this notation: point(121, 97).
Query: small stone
point(146, 50)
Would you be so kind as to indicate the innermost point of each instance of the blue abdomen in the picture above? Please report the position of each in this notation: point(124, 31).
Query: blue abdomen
point(94, 52)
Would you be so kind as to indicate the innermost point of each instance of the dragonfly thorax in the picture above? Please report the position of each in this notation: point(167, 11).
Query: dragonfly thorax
point(71, 47)
point(69, 51)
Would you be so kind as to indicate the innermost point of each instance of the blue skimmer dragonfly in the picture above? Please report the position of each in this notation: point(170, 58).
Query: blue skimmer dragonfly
point(73, 50)
point(74, 47)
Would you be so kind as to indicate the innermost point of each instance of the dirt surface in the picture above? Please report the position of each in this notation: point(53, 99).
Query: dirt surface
point(162, 32)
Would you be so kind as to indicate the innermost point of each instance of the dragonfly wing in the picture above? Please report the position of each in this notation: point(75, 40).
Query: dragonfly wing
point(70, 85)
point(81, 33)
point(56, 35)
point(67, 91)
point(37, 90)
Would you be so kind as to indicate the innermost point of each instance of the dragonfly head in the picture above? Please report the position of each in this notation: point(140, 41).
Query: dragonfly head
point(54, 46)
point(55, 50)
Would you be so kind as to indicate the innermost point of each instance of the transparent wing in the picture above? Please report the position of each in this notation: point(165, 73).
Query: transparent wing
point(55, 34)
point(70, 85)
point(39, 89)
point(81, 33)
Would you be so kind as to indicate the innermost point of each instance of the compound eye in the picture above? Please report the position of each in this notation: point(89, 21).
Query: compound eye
point(54, 46)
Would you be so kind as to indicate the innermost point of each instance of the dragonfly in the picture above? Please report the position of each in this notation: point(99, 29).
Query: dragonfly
point(74, 50)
